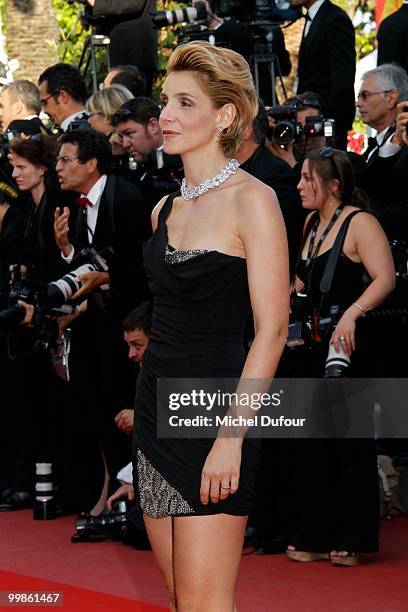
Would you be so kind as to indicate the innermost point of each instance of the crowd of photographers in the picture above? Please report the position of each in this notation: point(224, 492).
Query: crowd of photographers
point(76, 193)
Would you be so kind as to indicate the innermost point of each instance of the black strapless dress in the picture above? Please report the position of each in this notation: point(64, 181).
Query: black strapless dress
point(201, 306)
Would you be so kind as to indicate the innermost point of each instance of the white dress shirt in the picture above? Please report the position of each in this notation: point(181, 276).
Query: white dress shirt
point(94, 196)
point(386, 149)
point(311, 13)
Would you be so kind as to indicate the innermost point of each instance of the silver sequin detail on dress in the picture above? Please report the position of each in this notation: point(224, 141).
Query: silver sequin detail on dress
point(158, 498)
point(173, 256)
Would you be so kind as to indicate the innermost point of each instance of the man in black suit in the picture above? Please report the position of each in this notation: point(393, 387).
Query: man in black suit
point(110, 213)
point(392, 38)
point(327, 62)
point(386, 167)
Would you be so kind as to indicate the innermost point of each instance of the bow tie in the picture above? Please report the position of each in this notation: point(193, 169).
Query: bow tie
point(83, 201)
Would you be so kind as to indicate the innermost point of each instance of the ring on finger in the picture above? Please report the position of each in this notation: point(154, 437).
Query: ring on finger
point(225, 488)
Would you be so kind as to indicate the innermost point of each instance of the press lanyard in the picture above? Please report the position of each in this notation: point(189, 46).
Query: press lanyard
point(313, 251)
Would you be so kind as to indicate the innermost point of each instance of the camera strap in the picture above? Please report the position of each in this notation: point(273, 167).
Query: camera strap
point(313, 250)
point(328, 274)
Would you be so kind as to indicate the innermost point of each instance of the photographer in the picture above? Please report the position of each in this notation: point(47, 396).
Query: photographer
point(127, 21)
point(157, 173)
point(385, 159)
point(28, 415)
point(337, 508)
point(306, 108)
point(110, 214)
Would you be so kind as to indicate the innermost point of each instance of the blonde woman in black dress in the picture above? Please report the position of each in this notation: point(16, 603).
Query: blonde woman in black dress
point(219, 249)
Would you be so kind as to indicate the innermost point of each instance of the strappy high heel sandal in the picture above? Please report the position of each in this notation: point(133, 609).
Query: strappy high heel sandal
point(350, 559)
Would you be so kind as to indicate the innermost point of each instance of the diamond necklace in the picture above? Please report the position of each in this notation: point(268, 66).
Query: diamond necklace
point(189, 193)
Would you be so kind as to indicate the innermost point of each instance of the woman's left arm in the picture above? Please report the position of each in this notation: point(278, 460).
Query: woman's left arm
point(371, 245)
point(262, 231)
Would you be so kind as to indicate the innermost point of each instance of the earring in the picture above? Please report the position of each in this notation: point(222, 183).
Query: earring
point(331, 201)
point(219, 129)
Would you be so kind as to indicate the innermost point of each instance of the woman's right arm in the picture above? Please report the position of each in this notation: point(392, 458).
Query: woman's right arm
point(371, 246)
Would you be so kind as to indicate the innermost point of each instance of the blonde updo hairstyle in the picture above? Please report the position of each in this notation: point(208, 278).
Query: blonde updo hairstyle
point(225, 77)
point(109, 100)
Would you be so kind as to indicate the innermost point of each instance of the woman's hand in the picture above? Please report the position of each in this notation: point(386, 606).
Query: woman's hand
point(344, 334)
point(126, 490)
point(220, 475)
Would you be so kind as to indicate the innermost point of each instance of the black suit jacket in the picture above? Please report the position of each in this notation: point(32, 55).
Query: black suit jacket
point(124, 228)
point(392, 38)
point(133, 41)
point(384, 180)
point(327, 63)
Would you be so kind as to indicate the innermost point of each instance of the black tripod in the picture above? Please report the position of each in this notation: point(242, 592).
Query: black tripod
point(264, 55)
point(87, 61)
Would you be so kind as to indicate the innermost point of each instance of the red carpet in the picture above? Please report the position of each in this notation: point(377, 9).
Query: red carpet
point(110, 576)
point(74, 598)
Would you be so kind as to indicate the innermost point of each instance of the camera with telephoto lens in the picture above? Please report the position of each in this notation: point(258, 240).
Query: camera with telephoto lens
point(113, 525)
point(190, 14)
point(337, 362)
point(49, 300)
point(60, 291)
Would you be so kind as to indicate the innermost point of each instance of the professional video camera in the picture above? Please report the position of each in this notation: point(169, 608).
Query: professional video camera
point(253, 11)
point(49, 301)
point(287, 128)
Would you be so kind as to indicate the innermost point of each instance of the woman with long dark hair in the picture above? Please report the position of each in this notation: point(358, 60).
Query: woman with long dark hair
point(335, 480)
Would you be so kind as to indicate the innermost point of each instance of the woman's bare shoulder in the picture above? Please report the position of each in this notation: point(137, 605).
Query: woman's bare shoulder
point(251, 194)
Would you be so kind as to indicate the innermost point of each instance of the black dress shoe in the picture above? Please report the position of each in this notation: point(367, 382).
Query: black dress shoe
point(15, 500)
